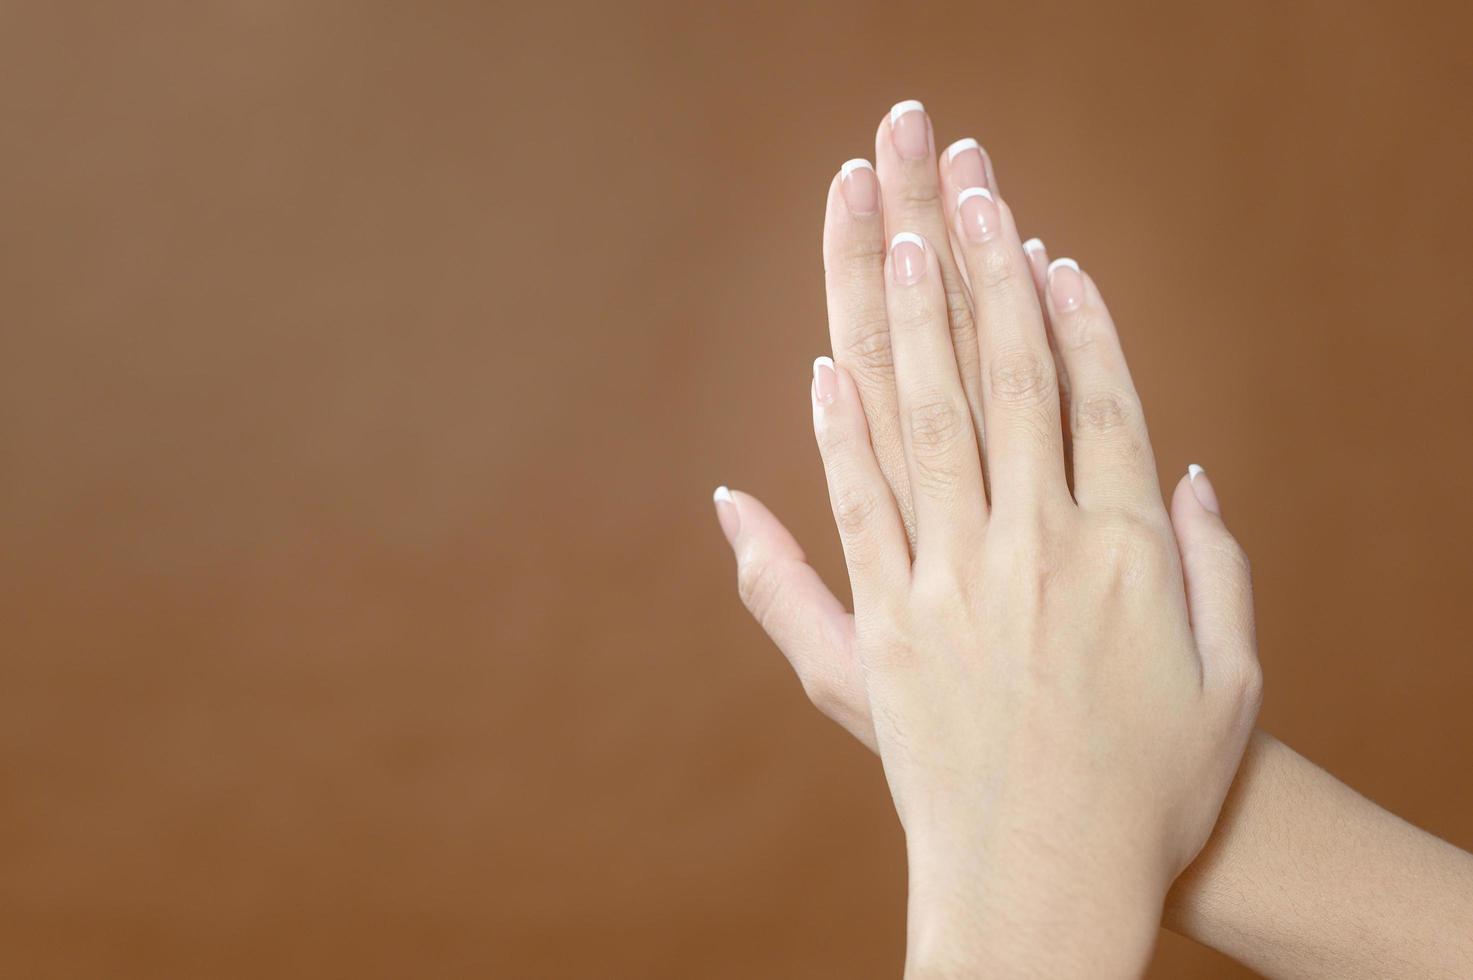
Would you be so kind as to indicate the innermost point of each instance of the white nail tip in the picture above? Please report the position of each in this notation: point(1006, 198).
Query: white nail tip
point(907, 236)
point(959, 146)
point(856, 164)
point(1062, 264)
point(972, 192)
point(824, 361)
point(722, 496)
point(1193, 471)
point(1033, 245)
point(901, 108)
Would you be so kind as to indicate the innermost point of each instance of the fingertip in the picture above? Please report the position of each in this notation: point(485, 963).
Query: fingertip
point(1194, 502)
point(1037, 254)
point(758, 530)
point(728, 515)
point(859, 189)
point(1184, 504)
point(836, 401)
point(899, 110)
point(1065, 286)
point(1202, 489)
point(961, 146)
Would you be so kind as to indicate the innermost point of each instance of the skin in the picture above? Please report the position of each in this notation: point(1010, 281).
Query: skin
point(1058, 675)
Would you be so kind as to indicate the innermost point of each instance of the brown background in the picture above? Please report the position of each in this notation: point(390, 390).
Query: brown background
point(365, 370)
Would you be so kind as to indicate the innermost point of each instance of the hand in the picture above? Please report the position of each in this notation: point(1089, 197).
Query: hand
point(1057, 736)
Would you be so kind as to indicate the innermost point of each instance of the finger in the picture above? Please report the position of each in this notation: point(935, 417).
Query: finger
point(910, 186)
point(859, 326)
point(1219, 593)
point(964, 165)
point(793, 606)
point(1020, 402)
point(875, 548)
point(1037, 255)
point(1113, 464)
point(940, 442)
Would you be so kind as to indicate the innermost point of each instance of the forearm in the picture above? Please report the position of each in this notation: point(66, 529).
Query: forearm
point(1304, 877)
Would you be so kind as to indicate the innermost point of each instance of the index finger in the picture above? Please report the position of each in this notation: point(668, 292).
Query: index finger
point(854, 249)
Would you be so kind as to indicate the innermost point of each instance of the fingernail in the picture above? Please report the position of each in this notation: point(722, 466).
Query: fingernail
point(979, 213)
point(907, 258)
point(860, 188)
point(909, 129)
point(727, 515)
point(1065, 284)
point(1202, 488)
point(825, 381)
point(964, 157)
point(1037, 255)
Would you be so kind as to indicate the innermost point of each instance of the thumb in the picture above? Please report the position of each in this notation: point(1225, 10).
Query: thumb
point(788, 599)
point(1219, 591)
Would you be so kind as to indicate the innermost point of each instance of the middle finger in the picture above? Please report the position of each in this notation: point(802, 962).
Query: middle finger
point(910, 186)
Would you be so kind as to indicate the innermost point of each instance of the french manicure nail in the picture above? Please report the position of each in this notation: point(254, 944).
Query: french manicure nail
point(910, 130)
point(860, 187)
point(1202, 489)
point(907, 258)
point(1065, 285)
point(825, 381)
point(1037, 256)
point(978, 213)
point(727, 514)
point(964, 157)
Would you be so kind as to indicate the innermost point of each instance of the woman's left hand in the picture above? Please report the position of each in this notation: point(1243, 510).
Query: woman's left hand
point(1058, 723)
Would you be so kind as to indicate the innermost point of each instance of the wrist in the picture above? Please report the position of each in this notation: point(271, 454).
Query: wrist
point(1026, 914)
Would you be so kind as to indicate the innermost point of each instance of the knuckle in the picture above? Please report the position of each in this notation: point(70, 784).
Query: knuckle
point(1022, 378)
point(1233, 633)
point(853, 510)
point(934, 476)
point(919, 319)
point(1231, 561)
point(1252, 695)
point(868, 352)
point(937, 591)
point(1079, 330)
point(1137, 548)
point(996, 269)
point(859, 257)
point(919, 193)
point(1250, 683)
point(1239, 562)
point(820, 691)
point(1243, 684)
point(758, 584)
point(959, 312)
point(1102, 412)
point(834, 440)
point(1030, 554)
point(937, 424)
